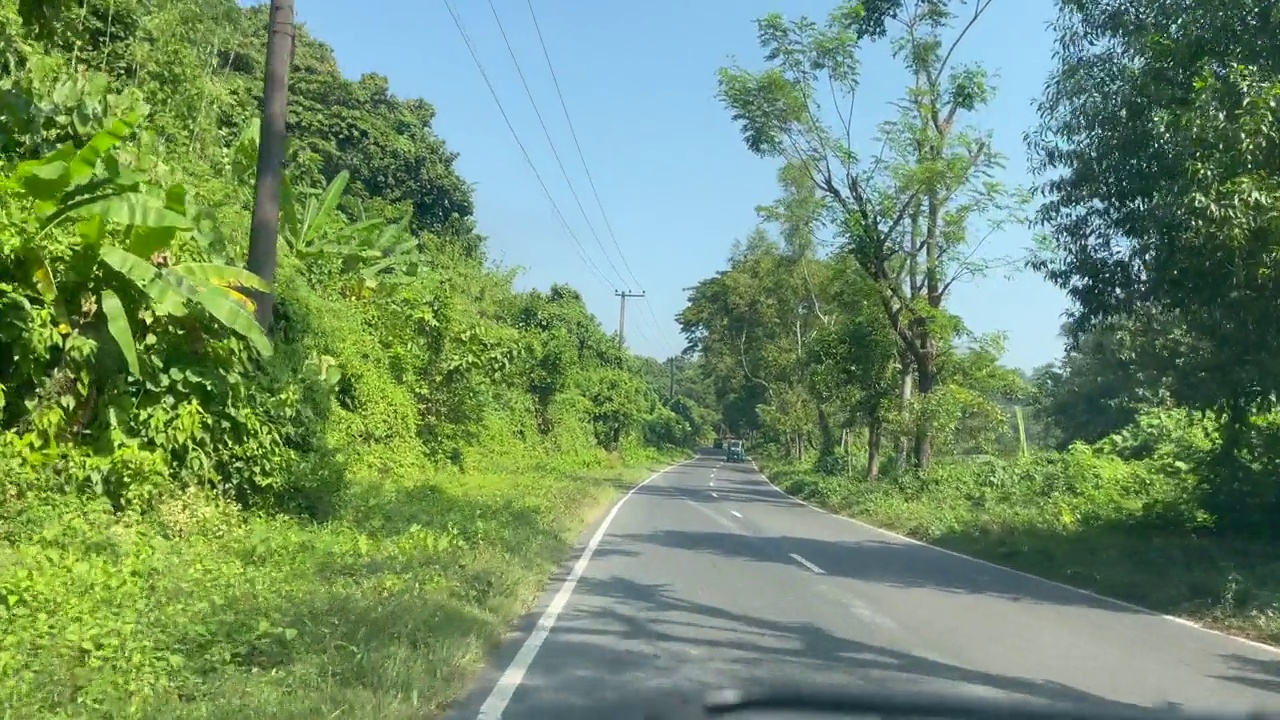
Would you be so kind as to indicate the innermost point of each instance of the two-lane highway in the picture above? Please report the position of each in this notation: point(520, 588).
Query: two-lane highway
point(707, 575)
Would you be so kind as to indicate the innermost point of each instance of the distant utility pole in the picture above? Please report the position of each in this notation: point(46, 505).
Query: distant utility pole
point(671, 391)
point(622, 313)
point(265, 227)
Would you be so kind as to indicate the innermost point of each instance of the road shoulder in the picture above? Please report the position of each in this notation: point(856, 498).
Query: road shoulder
point(503, 654)
point(1223, 632)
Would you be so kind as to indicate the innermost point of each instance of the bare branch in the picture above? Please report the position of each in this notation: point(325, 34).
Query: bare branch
point(813, 295)
point(742, 353)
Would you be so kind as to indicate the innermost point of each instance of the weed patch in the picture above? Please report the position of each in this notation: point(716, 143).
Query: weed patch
point(200, 611)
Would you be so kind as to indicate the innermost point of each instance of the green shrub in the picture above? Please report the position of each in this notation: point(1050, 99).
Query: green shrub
point(197, 520)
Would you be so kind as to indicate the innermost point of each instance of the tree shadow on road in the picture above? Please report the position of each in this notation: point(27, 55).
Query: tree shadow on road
point(1254, 673)
point(875, 558)
point(721, 492)
point(889, 563)
point(1167, 572)
point(638, 640)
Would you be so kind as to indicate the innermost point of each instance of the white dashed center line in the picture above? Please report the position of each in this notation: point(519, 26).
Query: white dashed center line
point(736, 513)
point(807, 564)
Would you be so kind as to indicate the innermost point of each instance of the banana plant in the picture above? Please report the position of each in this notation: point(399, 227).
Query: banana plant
point(124, 228)
point(319, 229)
point(312, 226)
point(373, 250)
point(382, 252)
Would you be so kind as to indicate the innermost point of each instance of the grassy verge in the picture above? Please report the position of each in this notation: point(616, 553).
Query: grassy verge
point(203, 612)
point(1230, 586)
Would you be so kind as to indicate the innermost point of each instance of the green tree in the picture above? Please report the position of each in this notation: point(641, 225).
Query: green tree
point(1157, 130)
point(1157, 134)
point(910, 223)
point(855, 357)
point(750, 325)
point(1107, 377)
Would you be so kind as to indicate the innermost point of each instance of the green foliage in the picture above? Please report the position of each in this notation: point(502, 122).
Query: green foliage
point(1144, 463)
point(201, 611)
point(199, 520)
point(1164, 200)
point(1158, 141)
point(907, 217)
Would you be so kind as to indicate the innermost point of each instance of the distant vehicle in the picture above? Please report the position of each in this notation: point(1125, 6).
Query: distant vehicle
point(736, 453)
point(717, 444)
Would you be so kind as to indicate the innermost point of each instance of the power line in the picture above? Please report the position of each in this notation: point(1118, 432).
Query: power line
point(652, 318)
point(663, 343)
point(574, 133)
point(648, 319)
point(578, 246)
point(582, 254)
point(657, 326)
point(547, 133)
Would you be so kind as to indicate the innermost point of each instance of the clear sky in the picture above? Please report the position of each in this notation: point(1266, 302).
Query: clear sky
point(676, 182)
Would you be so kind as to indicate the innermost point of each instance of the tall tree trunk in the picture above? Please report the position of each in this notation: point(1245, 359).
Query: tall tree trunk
point(826, 437)
point(926, 361)
point(873, 448)
point(905, 380)
point(926, 380)
point(914, 287)
point(271, 147)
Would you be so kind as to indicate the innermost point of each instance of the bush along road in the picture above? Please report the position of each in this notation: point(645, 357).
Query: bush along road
point(202, 519)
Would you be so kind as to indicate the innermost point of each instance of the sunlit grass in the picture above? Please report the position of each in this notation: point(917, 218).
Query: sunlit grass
point(200, 611)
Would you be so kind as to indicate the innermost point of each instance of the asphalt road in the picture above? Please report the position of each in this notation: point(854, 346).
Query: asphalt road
point(707, 576)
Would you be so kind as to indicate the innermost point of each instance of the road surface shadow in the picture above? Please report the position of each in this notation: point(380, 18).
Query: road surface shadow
point(720, 492)
point(891, 563)
point(1129, 559)
point(639, 640)
point(1254, 673)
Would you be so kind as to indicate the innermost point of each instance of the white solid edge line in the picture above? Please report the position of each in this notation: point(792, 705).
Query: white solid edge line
point(1146, 611)
point(513, 675)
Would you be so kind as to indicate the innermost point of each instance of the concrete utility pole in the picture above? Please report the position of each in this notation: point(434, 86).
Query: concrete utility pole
point(622, 313)
point(671, 392)
point(265, 228)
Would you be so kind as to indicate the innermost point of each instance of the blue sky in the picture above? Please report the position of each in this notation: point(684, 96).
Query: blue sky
point(676, 182)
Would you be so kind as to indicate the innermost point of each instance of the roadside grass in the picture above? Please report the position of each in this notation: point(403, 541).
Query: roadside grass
point(200, 611)
point(1231, 586)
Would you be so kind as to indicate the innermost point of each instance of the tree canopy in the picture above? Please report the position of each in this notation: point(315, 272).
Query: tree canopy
point(1152, 156)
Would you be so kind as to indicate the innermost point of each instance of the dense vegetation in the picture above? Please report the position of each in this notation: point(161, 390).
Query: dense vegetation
point(334, 518)
point(1144, 463)
point(199, 518)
